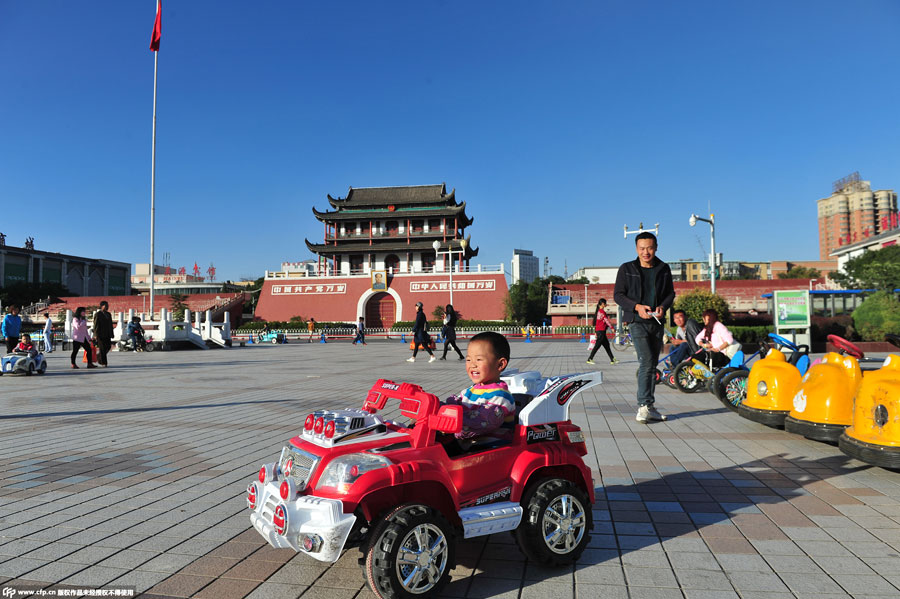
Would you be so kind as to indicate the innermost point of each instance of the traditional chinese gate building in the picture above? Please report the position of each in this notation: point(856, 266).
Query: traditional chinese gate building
point(377, 259)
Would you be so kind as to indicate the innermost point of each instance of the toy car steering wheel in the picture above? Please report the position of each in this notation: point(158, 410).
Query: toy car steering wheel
point(782, 341)
point(892, 339)
point(845, 346)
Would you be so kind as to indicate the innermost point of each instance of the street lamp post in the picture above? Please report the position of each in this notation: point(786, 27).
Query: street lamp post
point(450, 251)
point(712, 242)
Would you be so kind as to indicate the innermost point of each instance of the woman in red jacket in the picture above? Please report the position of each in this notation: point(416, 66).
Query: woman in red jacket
point(601, 324)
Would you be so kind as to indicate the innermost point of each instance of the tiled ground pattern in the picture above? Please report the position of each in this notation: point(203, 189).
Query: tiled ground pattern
point(134, 476)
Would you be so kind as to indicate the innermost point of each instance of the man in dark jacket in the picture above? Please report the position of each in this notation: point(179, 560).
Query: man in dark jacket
point(103, 332)
point(644, 290)
point(420, 334)
point(685, 337)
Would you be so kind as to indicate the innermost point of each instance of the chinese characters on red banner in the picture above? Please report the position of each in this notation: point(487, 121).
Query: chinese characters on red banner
point(488, 285)
point(309, 289)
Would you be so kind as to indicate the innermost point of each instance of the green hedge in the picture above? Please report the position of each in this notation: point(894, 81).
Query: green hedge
point(877, 315)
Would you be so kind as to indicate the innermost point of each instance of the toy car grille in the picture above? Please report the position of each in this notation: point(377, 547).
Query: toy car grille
point(302, 465)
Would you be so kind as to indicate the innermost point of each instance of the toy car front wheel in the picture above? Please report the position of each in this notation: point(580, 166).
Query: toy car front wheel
point(149, 347)
point(43, 368)
point(734, 389)
point(556, 523)
point(715, 386)
point(684, 380)
point(411, 553)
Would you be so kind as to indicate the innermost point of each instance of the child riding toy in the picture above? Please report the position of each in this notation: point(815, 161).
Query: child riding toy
point(399, 492)
point(24, 359)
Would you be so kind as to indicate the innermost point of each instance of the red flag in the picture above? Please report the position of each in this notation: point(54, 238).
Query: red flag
point(157, 28)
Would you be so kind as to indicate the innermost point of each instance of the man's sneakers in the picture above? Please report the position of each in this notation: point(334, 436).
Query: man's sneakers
point(431, 359)
point(589, 362)
point(413, 359)
point(614, 361)
point(649, 414)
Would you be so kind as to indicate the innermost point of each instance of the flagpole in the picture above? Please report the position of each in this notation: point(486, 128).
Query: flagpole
point(153, 188)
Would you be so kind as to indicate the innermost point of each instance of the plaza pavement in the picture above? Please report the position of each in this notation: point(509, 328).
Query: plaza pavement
point(135, 476)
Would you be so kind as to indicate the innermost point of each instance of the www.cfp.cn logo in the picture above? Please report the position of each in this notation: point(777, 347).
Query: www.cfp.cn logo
point(8, 591)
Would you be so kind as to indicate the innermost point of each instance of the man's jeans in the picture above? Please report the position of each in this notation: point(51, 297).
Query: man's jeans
point(682, 353)
point(648, 341)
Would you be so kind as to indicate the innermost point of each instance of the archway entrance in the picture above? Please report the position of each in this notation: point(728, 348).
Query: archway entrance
point(381, 311)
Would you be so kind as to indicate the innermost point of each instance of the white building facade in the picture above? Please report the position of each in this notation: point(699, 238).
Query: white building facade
point(525, 266)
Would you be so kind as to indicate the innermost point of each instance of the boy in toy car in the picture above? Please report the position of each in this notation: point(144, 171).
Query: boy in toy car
point(488, 402)
point(25, 346)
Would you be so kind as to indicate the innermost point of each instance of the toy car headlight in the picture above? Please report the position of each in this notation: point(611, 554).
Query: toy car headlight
point(343, 471)
point(762, 388)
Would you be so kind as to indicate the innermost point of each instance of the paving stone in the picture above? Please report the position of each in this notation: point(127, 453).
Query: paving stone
point(599, 575)
point(607, 591)
point(703, 580)
point(767, 582)
point(742, 563)
point(650, 577)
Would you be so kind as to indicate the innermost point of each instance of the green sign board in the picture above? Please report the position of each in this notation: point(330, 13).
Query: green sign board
point(792, 309)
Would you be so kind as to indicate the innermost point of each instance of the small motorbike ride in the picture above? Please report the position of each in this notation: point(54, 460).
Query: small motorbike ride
point(773, 382)
point(135, 340)
point(874, 435)
point(823, 405)
point(398, 491)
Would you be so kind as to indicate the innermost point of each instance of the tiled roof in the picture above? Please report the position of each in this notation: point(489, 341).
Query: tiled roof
point(384, 196)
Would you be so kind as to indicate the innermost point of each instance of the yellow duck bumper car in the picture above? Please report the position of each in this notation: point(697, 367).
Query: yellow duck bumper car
point(773, 383)
point(874, 436)
point(823, 405)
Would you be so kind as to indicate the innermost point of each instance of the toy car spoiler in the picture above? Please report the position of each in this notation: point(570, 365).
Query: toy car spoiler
point(553, 394)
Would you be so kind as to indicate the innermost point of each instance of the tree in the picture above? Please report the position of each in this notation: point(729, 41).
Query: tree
point(438, 312)
point(800, 272)
point(527, 302)
point(878, 314)
point(178, 306)
point(878, 269)
point(697, 300)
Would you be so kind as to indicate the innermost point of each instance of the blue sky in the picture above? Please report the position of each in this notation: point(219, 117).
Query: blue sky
point(557, 122)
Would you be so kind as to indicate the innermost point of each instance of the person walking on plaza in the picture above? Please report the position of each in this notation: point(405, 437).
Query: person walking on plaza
point(11, 327)
point(81, 338)
point(644, 290)
point(448, 332)
point(602, 323)
point(360, 332)
point(420, 334)
point(48, 334)
point(311, 327)
point(103, 332)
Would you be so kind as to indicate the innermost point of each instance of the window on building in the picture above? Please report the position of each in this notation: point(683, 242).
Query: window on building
point(391, 228)
point(428, 262)
point(356, 263)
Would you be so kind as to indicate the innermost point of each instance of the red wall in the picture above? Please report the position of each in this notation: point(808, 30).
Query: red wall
point(338, 299)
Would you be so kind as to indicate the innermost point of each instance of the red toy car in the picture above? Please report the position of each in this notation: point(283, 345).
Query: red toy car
point(404, 493)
